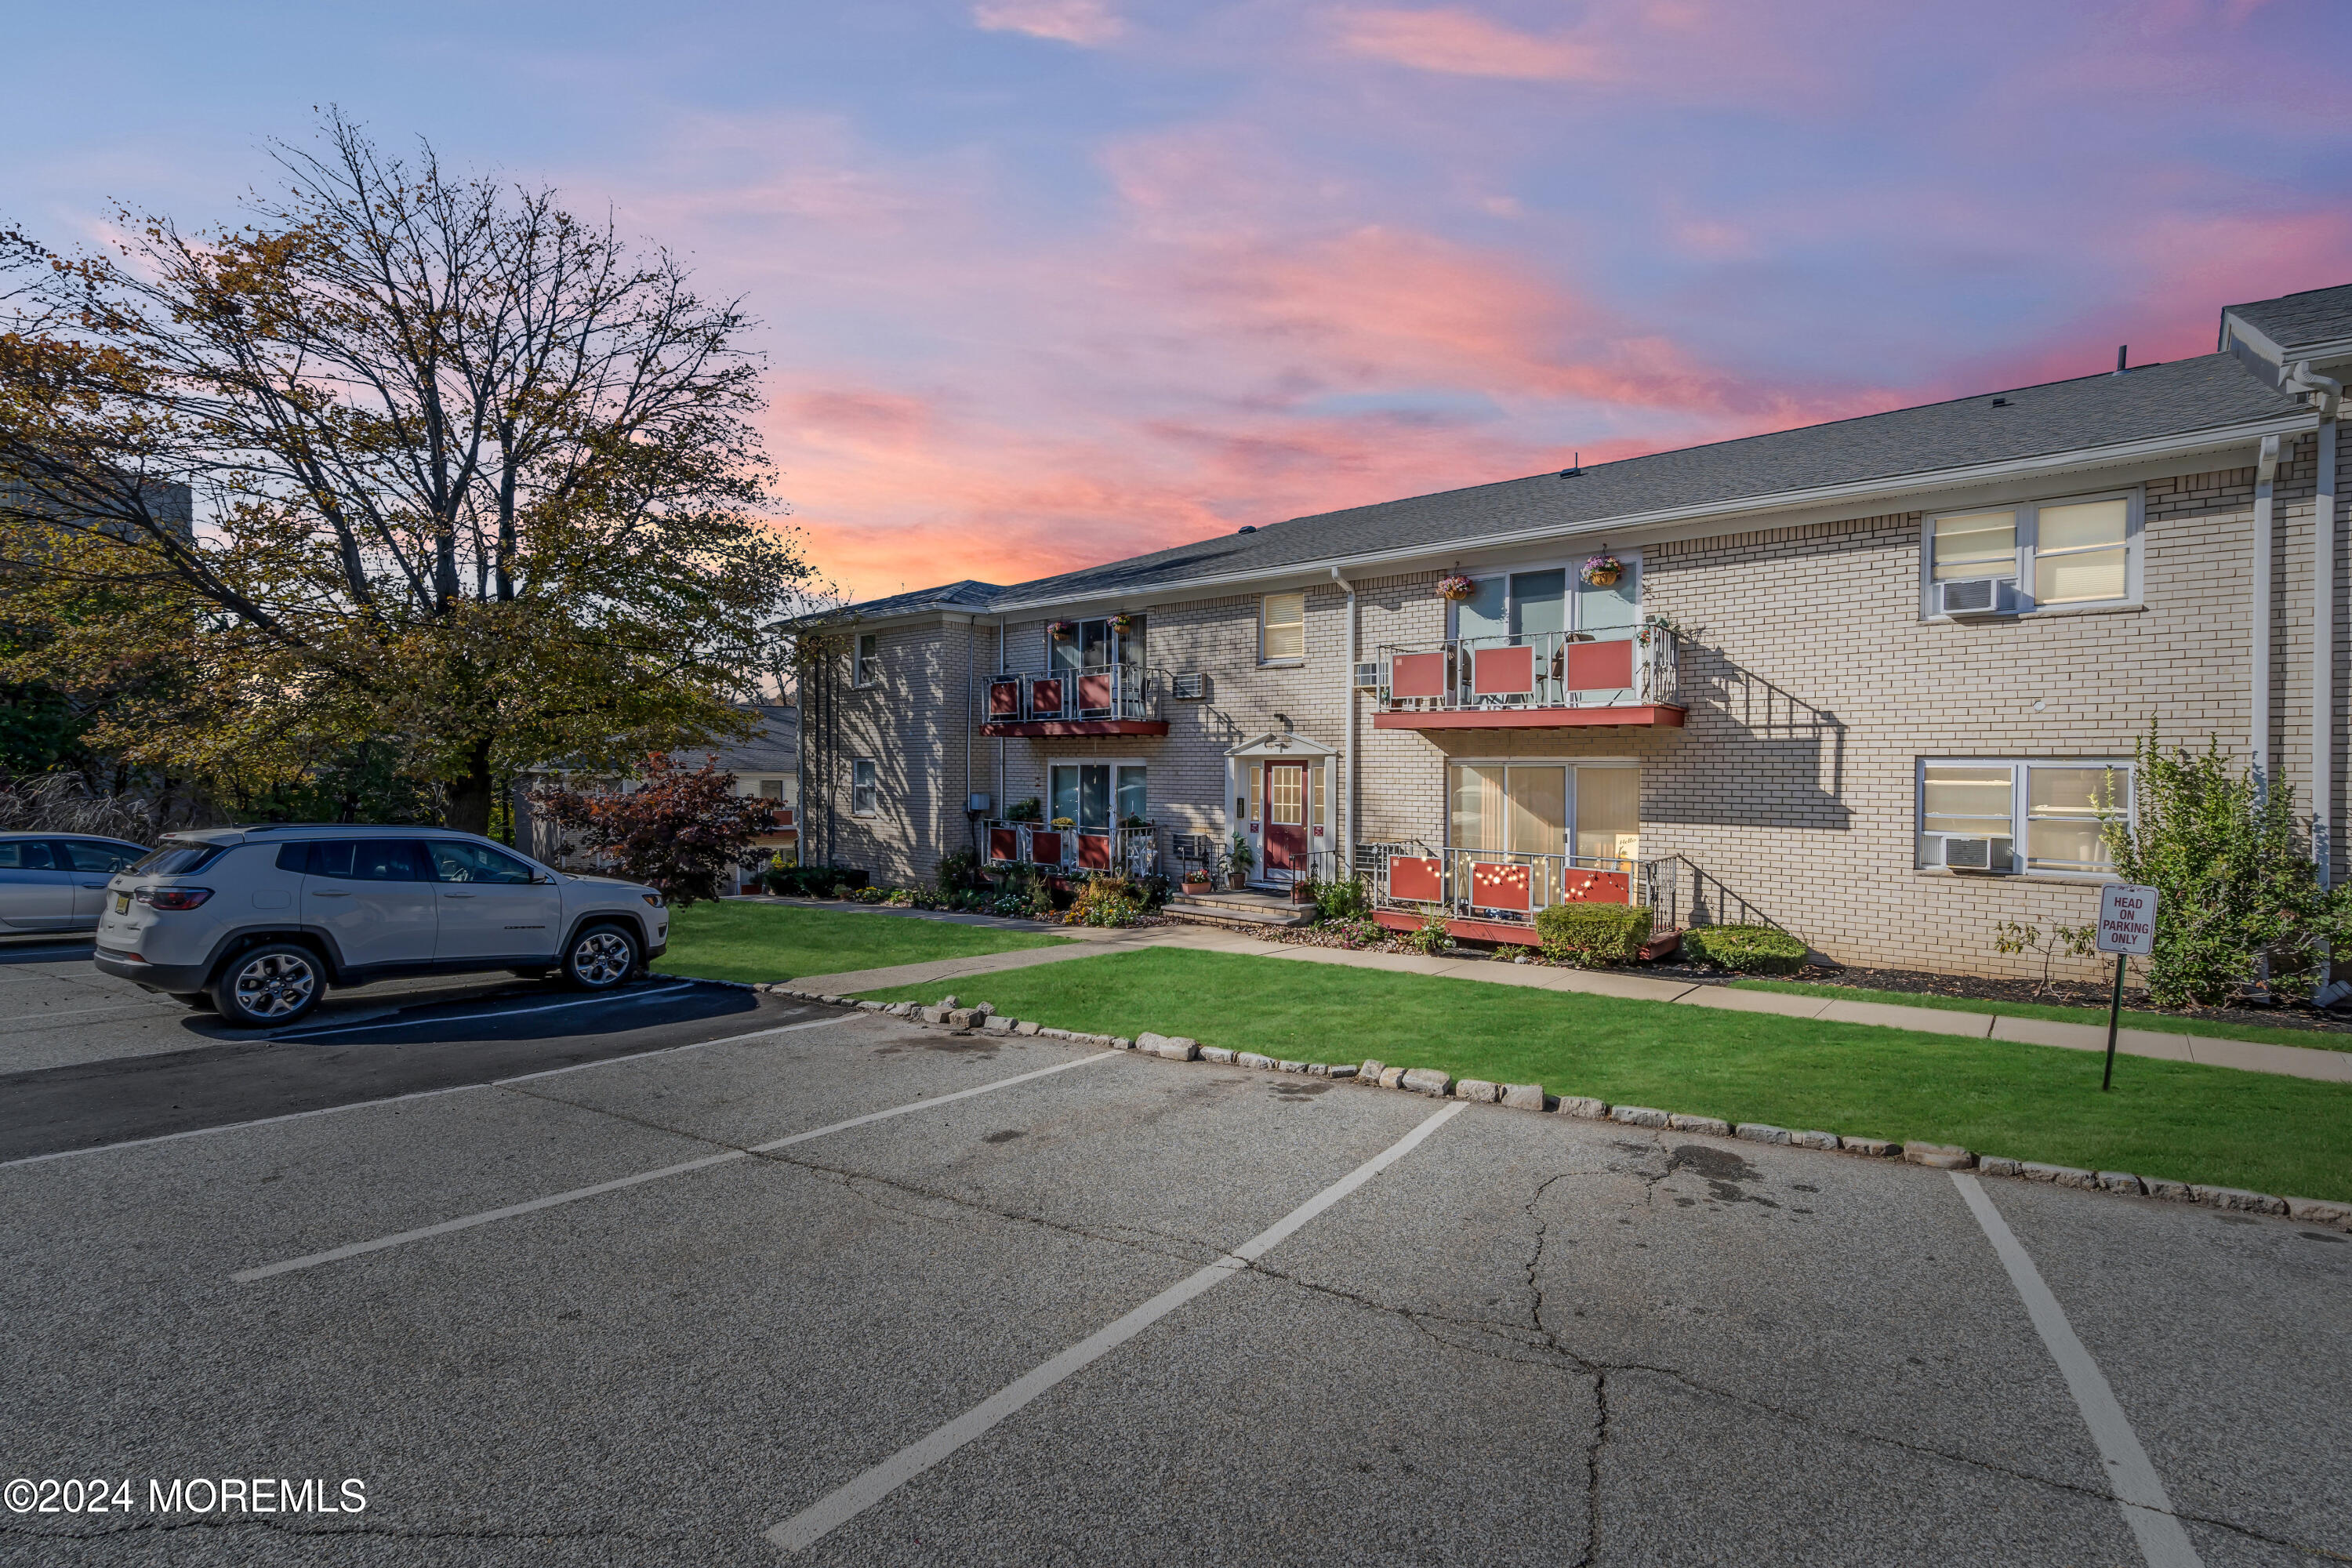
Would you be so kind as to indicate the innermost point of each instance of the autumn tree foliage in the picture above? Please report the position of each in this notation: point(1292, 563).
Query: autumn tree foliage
point(681, 830)
point(471, 476)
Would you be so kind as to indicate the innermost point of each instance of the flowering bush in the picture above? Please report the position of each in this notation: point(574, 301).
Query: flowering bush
point(1105, 902)
point(1433, 937)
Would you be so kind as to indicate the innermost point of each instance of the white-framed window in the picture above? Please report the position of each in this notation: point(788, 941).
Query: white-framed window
point(864, 788)
point(2061, 553)
point(2009, 815)
point(1282, 629)
point(865, 668)
point(1096, 796)
point(785, 790)
point(1555, 599)
point(1591, 810)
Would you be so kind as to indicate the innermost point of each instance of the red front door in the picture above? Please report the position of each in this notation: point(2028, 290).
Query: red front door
point(1286, 821)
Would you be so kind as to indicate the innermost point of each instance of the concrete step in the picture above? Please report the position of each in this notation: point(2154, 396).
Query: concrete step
point(1260, 911)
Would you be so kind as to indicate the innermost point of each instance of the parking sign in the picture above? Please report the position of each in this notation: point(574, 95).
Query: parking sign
point(2127, 920)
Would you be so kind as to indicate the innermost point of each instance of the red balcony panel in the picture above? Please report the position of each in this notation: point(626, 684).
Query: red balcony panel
point(1645, 714)
point(1005, 844)
point(1415, 878)
point(1045, 848)
point(1046, 695)
point(1503, 672)
point(1498, 886)
point(1094, 851)
point(1417, 675)
point(1600, 665)
point(1596, 887)
point(1004, 699)
point(1094, 693)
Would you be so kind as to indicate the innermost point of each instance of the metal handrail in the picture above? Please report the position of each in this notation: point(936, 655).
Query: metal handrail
point(1456, 673)
point(1010, 842)
point(1084, 691)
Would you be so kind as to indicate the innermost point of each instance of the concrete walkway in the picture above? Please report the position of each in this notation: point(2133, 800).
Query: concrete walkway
point(2249, 1056)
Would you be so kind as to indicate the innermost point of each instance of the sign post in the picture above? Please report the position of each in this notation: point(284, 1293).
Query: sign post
point(2127, 930)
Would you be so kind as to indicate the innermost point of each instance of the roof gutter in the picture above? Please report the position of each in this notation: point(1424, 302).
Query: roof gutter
point(1782, 500)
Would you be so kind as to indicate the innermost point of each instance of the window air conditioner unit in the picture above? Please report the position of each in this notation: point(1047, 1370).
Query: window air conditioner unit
point(1965, 596)
point(1976, 854)
point(1192, 686)
point(1368, 676)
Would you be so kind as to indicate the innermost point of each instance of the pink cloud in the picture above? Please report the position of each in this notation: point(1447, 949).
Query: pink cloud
point(1087, 23)
point(1458, 42)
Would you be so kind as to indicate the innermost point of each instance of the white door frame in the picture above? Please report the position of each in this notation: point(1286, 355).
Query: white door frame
point(1279, 746)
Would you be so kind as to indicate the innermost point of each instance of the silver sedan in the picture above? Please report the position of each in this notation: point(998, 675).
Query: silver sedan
point(57, 881)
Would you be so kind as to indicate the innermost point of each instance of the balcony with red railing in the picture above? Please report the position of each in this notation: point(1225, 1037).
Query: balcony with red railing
point(1543, 680)
point(1492, 895)
point(1086, 700)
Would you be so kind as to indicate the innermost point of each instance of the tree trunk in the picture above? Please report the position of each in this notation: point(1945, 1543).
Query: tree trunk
point(469, 798)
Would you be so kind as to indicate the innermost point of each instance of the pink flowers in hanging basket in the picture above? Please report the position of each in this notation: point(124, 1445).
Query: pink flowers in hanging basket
point(1063, 631)
point(1455, 586)
point(1602, 571)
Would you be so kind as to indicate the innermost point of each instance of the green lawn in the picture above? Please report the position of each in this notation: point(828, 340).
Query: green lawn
point(2164, 1119)
point(759, 942)
point(2170, 1023)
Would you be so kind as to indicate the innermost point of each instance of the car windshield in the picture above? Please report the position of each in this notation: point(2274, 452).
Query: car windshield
point(177, 859)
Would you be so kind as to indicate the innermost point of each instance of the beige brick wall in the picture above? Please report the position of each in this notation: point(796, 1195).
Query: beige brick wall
point(912, 723)
point(1812, 686)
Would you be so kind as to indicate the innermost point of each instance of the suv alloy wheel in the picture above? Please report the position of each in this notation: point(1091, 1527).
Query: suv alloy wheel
point(266, 986)
point(601, 957)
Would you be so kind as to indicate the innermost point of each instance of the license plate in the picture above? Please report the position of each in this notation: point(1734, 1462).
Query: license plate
point(122, 903)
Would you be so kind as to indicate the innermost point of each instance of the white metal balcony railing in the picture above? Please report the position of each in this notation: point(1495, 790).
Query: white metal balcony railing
point(1070, 851)
point(1513, 887)
point(1098, 691)
point(1540, 670)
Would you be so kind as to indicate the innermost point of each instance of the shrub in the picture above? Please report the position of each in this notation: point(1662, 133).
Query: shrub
point(1433, 937)
point(1750, 949)
point(2235, 881)
point(1358, 930)
point(811, 881)
point(959, 870)
point(1339, 900)
point(1024, 811)
point(1592, 936)
point(683, 830)
point(1105, 902)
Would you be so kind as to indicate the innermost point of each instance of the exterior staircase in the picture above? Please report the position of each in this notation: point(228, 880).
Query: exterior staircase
point(1240, 908)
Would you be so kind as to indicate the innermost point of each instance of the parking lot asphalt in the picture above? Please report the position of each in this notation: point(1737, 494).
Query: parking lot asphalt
point(890, 1295)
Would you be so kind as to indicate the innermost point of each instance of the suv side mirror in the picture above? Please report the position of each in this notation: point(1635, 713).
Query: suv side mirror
point(541, 879)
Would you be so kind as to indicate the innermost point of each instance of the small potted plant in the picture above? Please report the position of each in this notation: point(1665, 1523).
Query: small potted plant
point(1196, 878)
point(1241, 858)
point(1602, 571)
point(1455, 587)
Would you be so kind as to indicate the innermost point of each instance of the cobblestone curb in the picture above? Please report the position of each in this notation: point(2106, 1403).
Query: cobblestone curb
point(1433, 1083)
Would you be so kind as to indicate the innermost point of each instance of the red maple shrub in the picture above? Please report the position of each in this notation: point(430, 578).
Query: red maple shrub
point(680, 831)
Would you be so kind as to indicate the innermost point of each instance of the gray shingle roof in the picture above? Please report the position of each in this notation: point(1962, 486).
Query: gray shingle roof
point(2295, 320)
point(967, 594)
point(773, 748)
point(2211, 391)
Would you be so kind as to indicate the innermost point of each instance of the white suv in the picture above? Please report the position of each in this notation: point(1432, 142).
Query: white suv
point(259, 921)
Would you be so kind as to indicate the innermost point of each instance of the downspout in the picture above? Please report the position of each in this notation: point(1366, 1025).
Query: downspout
point(2258, 731)
point(2302, 377)
point(1003, 776)
point(1347, 846)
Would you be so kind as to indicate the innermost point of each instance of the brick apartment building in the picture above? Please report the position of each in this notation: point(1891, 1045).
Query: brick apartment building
point(1871, 682)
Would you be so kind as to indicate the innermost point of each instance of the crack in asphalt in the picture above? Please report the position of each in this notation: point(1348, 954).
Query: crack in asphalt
point(1484, 1332)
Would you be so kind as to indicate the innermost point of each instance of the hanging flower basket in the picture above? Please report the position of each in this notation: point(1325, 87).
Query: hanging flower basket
point(1455, 587)
point(1063, 631)
point(1602, 571)
point(1122, 623)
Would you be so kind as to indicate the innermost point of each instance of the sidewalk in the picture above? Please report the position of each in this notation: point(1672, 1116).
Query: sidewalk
point(2249, 1056)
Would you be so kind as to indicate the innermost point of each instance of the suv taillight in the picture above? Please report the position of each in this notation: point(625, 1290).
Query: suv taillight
point(172, 898)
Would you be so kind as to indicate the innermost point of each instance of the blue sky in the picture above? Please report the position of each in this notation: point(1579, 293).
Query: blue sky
point(1046, 281)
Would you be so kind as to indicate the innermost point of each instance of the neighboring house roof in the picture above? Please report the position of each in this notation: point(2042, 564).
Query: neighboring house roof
point(2298, 324)
point(968, 594)
point(2212, 394)
point(775, 749)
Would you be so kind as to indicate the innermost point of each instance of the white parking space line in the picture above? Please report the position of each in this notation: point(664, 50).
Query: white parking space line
point(300, 1034)
point(428, 1093)
point(837, 1509)
point(2138, 1490)
point(488, 1216)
